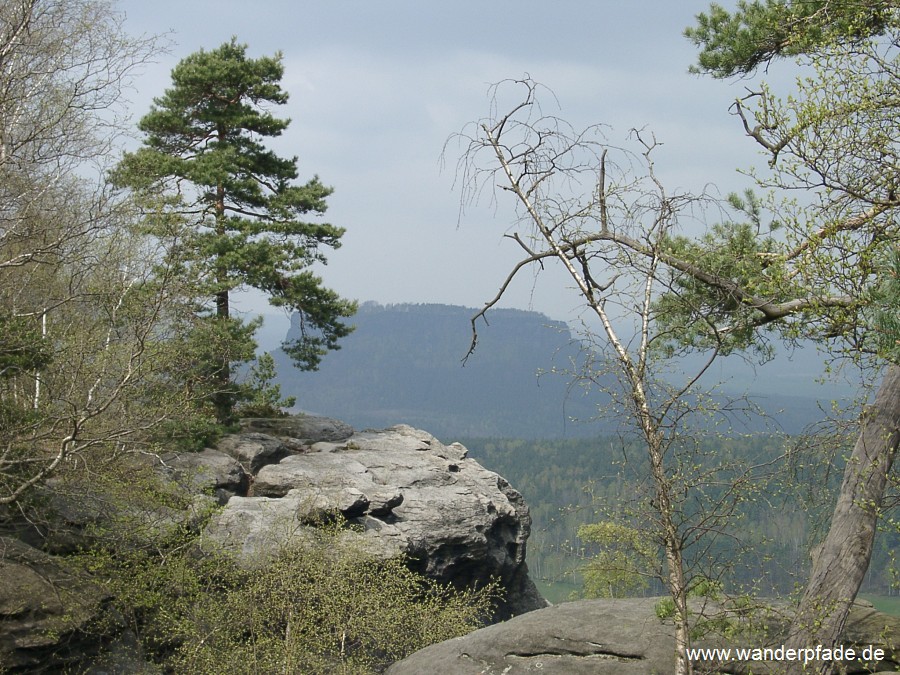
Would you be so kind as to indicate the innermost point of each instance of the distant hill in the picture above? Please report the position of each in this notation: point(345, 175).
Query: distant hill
point(403, 364)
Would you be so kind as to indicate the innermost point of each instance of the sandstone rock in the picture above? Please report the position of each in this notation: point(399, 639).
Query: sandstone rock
point(621, 637)
point(405, 491)
point(309, 428)
point(411, 494)
point(43, 608)
point(253, 450)
point(209, 472)
point(614, 637)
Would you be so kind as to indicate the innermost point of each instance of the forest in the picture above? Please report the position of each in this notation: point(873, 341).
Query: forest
point(572, 482)
point(124, 250)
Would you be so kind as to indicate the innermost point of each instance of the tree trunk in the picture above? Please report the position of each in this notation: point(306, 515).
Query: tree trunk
point(222, 399)
point(673, 546)
point(678, 591)
point(842, 560)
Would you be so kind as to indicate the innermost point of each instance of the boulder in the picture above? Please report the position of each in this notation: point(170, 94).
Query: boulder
point(407, 493)
point(620, 637)
point(253, 449)
point(276, 482)
point(309, 428)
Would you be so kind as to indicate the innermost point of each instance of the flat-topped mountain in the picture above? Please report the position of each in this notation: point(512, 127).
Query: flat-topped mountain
point(404, 364)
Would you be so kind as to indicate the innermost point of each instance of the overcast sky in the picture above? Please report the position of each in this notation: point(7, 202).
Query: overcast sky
point(378, 86)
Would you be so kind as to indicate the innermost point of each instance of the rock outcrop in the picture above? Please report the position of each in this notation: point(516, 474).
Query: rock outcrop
point(406, 491)
point(617, 637)
point(44, 607)
point(275, 481)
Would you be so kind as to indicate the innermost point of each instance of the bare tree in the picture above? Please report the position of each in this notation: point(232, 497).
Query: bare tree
point(604, 216)
point(80, 303)
point(818, 270)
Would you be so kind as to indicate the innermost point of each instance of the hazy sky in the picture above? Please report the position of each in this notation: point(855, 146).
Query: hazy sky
point(377, 87)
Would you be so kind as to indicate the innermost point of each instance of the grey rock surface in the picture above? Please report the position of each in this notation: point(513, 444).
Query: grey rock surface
point(309, 428)
point(621, 637)
point(406, 491)
point(209, 471)
point(276, 482)
point(43, 607)
point(615, 637)
point(253, 450)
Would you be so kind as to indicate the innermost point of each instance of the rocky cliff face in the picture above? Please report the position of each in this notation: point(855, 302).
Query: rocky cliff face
point(403, 490)
point(399, 490)
point(43, 607)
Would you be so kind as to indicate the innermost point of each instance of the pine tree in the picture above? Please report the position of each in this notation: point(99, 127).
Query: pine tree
point(247, 217)
point(834, 138)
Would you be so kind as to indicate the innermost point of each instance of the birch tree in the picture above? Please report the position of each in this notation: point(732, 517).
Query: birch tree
point(74, 340)
point(602, 214)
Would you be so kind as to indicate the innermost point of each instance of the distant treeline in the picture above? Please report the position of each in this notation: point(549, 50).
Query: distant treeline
point(571, 482)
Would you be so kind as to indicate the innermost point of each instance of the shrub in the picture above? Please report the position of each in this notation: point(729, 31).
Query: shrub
point(324, 607)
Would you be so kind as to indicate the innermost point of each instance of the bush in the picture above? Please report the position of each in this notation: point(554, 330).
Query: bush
point(620, 565)
point(325, 607)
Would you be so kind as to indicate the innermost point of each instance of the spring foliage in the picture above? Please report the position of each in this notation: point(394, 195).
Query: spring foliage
point(321, 607)
point(246, 222)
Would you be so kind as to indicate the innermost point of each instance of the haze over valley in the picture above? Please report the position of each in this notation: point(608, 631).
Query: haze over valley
point(404, 363)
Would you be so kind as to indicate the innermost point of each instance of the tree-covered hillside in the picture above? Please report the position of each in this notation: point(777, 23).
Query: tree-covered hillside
point(570, 482)
point(404, 364)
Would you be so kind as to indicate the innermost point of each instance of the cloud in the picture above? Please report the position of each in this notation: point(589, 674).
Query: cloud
point(377, 89)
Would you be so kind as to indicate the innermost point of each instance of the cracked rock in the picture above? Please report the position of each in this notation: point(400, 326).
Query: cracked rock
point(408, 493)
point(619, 637)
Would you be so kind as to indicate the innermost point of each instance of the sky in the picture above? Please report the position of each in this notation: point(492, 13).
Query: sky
point(377, 87)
